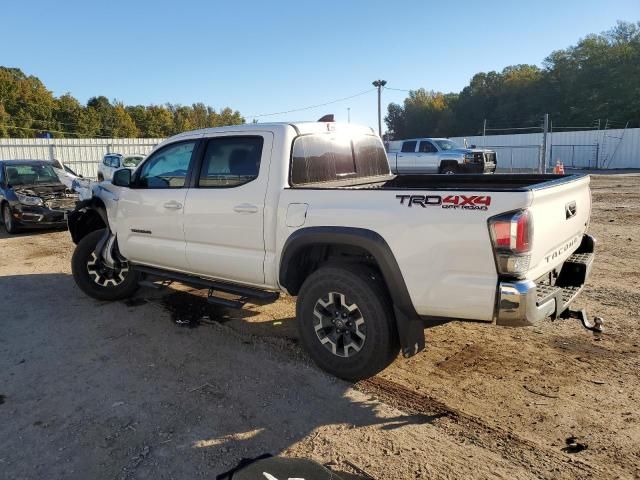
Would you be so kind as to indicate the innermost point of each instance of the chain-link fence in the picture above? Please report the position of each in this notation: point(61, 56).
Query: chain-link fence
point(575, 156)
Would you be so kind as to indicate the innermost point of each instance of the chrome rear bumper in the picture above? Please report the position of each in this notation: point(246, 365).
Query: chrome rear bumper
point(524, 303)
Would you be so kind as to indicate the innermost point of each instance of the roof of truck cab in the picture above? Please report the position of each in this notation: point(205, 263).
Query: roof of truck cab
point(302, 128)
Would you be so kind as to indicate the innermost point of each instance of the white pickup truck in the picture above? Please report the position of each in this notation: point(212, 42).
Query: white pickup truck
point(312, 210)
point(438, 155)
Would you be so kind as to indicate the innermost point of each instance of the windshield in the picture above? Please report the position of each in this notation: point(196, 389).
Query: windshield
point(131, 161)
point(447, 145)
point(30, 174)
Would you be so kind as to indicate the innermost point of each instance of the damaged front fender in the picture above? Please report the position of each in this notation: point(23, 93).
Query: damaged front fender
point(91, 213)
point(88, 216)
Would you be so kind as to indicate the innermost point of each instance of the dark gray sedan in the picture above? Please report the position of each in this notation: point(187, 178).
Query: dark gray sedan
point(32, 195)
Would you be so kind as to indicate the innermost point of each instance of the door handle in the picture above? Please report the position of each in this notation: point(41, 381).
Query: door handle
point(245, 208)
point(173, 205)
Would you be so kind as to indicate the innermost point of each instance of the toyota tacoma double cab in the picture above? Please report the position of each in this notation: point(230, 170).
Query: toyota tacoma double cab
point(312, 210)
point(438, 155)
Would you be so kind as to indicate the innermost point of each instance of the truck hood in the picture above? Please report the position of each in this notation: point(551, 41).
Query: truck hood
point(462, 151)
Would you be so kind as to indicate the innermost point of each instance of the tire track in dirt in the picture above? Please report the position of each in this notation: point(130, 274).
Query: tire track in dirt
point(540, 461)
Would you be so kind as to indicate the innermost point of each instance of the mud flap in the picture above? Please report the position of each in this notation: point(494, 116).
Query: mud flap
point(410, 333)
point(102, 242)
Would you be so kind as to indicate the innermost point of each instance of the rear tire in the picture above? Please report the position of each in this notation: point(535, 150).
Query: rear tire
point(346, 322)
point(7, 219)
point(97, 280)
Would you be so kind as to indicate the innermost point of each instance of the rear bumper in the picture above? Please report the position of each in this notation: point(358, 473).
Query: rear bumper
point(525, 303)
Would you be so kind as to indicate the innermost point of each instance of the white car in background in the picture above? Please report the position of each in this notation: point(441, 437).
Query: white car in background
point(115, 161)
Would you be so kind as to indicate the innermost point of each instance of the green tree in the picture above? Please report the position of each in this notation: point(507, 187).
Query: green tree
point(29, 105)
point(69, 115)
point(423, 113)
point(159, 122)
point(599, 77)
point(123, 124)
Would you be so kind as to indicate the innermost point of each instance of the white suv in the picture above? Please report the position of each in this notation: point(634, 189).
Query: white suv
point(114, 161)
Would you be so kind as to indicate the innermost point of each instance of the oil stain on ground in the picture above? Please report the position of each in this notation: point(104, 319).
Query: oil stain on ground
point(190, 309)
point(135, 302)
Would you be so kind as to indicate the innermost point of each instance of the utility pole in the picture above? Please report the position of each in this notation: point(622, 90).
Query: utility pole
point(543, 154)
point(484, 133)
point(379, 84)
point(348, 114)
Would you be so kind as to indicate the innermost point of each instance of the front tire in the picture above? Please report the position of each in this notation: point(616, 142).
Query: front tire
point(96, 279)
point(448, 170)
point(7, 219)
point(346, 322)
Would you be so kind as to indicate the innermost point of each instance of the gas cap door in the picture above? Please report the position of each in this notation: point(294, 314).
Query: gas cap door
point(297, 214)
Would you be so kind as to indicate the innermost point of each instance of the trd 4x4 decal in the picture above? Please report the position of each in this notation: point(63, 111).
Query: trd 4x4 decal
point(455, 202)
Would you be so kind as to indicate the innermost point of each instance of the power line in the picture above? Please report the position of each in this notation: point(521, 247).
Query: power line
point(49, 130)
point(398, 89)
point(311, 106)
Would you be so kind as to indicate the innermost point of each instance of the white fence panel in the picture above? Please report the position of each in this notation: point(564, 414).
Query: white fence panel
point(519, 152)
point(576, 149)
point(82, 155)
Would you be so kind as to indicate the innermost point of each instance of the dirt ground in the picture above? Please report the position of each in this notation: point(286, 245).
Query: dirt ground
point(165, 386)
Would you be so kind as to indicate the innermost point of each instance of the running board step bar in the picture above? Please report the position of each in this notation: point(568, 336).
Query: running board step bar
point(198, 282)
point(223, 302)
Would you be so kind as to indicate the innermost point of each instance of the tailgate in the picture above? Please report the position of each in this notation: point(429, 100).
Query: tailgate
point(560, 217)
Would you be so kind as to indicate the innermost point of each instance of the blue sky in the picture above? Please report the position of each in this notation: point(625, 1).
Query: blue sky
point(271, 56)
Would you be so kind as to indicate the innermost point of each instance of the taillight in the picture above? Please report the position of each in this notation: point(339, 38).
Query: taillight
point(511, 235)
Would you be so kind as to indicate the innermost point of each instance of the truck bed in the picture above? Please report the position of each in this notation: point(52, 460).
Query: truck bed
point(500, 182)
point(496, 182)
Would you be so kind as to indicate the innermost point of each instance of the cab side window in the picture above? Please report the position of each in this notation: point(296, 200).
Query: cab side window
point(409, 147)
point(427, 147)
point(166, 168)
point(230, 161)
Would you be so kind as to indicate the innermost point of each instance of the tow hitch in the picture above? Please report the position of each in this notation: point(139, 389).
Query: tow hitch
point(596, 326)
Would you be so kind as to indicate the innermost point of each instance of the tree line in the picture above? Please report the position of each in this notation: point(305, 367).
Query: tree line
point(598, 78)
point(28, 109)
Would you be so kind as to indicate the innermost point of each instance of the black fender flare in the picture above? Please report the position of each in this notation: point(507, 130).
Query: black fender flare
point(77, 218)
point(449, 162)
point(410, 325)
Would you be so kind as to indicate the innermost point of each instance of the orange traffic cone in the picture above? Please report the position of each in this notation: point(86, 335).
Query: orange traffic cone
point(559, 168)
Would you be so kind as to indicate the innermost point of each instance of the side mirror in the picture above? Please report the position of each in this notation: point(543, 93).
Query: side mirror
point(122, 178)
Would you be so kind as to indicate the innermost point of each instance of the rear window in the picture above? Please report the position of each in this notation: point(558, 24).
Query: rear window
point(329, 157)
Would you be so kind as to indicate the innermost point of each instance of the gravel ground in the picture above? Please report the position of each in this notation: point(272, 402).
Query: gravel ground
point(166, 386)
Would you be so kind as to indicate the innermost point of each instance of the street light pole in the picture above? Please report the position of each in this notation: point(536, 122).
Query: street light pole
point(348, 114)
point(379, 84)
